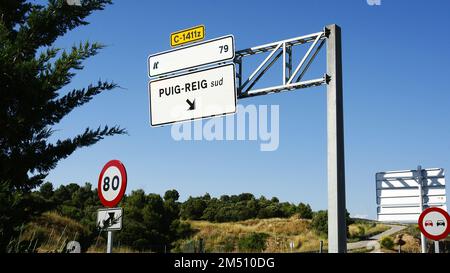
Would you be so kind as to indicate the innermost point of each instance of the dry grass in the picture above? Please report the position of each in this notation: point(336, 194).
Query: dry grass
point(102, 249)
point(365, 230)
point(412, 245)
point(52, 231)
point(223, 237)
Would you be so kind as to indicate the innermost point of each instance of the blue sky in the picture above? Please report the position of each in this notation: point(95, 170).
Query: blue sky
point(396, 99)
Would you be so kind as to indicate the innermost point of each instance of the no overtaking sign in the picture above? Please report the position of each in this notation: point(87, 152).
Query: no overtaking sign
point(434, 223)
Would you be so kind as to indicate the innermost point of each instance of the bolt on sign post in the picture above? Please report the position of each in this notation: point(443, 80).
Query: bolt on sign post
point(214, 53)
point(434, 224)
point(112, 184)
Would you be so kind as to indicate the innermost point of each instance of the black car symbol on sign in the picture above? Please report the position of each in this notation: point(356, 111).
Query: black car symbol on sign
point(440, 223)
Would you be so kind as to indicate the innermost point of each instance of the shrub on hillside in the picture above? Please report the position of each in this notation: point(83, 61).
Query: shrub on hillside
point(320, 222)
point(387, 242)
point(305, 211)
point(255, 242)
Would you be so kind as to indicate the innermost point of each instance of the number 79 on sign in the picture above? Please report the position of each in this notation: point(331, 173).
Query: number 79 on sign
point(191, 56)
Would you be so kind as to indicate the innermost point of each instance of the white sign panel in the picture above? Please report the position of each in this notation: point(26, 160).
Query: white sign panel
point(208, 52)
point(110, 219)
point(201, 94)
point(398, 196)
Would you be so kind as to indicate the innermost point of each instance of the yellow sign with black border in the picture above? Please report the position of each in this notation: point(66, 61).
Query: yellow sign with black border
point(186, 36)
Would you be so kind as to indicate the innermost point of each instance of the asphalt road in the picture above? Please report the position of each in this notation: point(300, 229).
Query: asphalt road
point(372, 243)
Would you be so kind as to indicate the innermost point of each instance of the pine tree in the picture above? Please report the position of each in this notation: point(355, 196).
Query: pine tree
point(33, 74)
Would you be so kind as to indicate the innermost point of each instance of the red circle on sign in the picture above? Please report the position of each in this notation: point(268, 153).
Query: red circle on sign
point(431, 236)
point(123, 184)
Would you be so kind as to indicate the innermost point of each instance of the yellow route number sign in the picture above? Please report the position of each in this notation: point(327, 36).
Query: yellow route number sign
point(187, 36)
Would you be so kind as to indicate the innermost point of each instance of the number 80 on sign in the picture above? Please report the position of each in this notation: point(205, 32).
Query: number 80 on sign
point(112, 183)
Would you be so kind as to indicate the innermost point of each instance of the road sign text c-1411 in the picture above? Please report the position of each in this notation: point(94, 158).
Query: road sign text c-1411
point(187, 36)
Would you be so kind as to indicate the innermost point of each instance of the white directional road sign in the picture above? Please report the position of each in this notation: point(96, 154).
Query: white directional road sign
point(110, 219)
point(398, 195)
point(208, 52)
point(201, 94)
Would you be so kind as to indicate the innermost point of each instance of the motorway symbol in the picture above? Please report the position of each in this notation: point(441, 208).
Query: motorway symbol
point(191, 56)
point(112, 183)
point(434, 223)
point(110, 219)
point(200, 94)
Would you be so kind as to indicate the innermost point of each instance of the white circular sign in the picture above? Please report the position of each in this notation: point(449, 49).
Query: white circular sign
point(112, 183)
point(73, 247)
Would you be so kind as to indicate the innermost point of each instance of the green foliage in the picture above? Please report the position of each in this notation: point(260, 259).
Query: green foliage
point(305, 211)
point(235, 208)
point(414, 231)
point(387, 242)
point(33, 74)
point(254, 242)
point(228, 244)
point(193, 208)
point(320, 222)
point(152, 222)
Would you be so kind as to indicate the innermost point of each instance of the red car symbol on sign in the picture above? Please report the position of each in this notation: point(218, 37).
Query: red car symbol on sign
point(428, 223)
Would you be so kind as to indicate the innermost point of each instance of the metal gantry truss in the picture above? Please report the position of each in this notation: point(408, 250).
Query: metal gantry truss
point(290, 79)
point(293, 79)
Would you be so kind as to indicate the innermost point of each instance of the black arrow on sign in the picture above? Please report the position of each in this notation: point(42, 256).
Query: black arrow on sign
point(109, 221)
point(191, 104)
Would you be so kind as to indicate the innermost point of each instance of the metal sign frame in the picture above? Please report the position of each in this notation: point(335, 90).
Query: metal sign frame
point(331, 36)
point(284, 48)
point(292, 80)
point(420, 177)
point(404, 194)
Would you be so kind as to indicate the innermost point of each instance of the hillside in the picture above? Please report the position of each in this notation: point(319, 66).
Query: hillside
point(50, 232)
point(155, 223)
point(273, 235)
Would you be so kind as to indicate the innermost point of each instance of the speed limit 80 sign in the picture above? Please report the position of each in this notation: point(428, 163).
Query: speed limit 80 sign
point(112, 183)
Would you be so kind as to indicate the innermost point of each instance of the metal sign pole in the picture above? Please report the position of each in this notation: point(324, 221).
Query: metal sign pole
point(337, 229)
point(436, 246)
point(423, 240)
point(110, 242)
